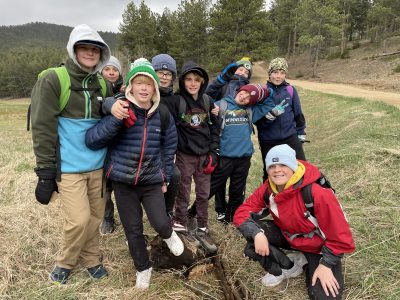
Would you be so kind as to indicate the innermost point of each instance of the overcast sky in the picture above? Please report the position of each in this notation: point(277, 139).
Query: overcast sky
point(102, 15)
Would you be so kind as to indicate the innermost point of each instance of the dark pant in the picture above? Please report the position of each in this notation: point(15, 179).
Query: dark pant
point(172, 191)
point(109, 211)
point(293, 141)
point(220, 200)
point(277, 240)
point(129, 200)
point(192, 166)
point(237, 170)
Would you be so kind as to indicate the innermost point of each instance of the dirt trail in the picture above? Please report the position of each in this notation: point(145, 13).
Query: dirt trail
point(259, 71)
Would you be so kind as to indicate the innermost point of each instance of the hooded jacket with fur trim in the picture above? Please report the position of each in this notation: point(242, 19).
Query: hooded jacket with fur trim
point(67, 128)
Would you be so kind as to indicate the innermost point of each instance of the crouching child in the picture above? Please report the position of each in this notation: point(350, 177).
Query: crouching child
point(320, 234)
point(140, 163)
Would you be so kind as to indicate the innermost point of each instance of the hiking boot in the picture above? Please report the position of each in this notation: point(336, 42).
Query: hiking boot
point(143, 279)
point(59, 275)
point(97, 272)
point(270, 280)
point(221, 217)
point(107, 226)
point(178, 227)
point(191, 239)
point(204, 238)
point(298, 258)
point(174, 244)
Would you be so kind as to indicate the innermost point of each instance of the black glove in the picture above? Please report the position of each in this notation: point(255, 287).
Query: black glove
point(46, 184)
point(227, 73)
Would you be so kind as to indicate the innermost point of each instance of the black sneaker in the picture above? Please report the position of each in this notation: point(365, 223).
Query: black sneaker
point(107, 226)
point(221, 217)
point(206, 242)
point(97, 272)
point(59, 275)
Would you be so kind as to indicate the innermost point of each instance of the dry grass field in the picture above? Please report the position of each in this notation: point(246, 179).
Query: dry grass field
point(356, 144)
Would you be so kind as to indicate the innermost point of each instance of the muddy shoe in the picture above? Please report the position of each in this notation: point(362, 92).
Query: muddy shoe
point(206, 242)
point(59, 275)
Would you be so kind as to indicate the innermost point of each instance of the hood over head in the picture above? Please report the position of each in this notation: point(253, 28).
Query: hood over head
point(189, 67)
point(83, 34)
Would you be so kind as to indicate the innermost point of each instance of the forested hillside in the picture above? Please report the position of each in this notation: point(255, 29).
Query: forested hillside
point(27, 49)
point(212, 33)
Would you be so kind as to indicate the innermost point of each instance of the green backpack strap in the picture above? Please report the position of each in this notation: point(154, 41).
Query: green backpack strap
point(65, 84)
point(103, 85)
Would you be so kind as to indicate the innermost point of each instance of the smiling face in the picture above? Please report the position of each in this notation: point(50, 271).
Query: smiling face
point(280, 175)
point(277, 77)
point(88, 56)
point(142, 90)
point(165, 78)
point(242, 71)
point(193, 83)
point(110, 73)
point(242, 98)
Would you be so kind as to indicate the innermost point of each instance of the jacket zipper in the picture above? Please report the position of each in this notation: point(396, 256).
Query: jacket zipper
point(142, 150)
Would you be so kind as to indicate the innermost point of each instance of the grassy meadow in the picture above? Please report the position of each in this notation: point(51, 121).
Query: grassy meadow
point(355, 143)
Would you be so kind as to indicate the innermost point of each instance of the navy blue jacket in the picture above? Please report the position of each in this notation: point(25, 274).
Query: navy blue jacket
point(140, 155)
point(291, 122)
point(217, 91)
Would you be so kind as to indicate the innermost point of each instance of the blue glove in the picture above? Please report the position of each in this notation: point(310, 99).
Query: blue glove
point(279, 109)
point(227, 73)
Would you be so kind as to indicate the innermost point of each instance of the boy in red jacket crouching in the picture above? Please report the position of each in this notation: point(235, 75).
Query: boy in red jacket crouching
point(323, 236)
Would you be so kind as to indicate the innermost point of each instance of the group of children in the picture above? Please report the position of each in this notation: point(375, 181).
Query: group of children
point(150, 142)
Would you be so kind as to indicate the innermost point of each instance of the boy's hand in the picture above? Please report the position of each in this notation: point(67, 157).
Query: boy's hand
point(215, 110)
point(327, 279)
point(261, 244)
point(227, 73)
point(279, 109)
point(120, 109)
point(164, 188)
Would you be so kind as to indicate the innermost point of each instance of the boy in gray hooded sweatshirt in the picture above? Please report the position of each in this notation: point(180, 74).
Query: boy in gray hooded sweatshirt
point(64, 163)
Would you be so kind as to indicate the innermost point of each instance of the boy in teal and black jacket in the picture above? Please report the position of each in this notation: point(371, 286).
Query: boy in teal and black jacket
point(58, 136)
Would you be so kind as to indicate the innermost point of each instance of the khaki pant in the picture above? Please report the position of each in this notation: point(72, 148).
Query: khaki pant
point(83, 209)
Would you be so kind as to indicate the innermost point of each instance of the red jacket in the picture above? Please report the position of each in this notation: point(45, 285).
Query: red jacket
point(291, 209)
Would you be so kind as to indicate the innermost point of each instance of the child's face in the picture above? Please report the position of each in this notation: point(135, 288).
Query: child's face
point(110, 73)
point(142, 89)
point(192, 84)
point(280, 174)
point(277, 77)
point(165, 78)
point(242, 98)
point(242, 71)
point(87, 56)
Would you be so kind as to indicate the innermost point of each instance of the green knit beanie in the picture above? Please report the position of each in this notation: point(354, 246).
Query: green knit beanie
point(142, 66)
point(247, 64)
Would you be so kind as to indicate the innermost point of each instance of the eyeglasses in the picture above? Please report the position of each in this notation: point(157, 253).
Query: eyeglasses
point(164, 74)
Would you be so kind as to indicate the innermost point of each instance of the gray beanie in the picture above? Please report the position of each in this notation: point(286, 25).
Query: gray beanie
point(113, 61)
point(164, 62)
point(278, 63)
point(281, 155)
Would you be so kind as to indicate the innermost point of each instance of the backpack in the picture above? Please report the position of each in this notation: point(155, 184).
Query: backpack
point(164, 117)
point(65, 91)
point(223, 105)
point(306, 193)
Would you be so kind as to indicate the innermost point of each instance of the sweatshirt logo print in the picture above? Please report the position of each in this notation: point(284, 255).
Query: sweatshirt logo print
point(196, 118)
point(236, 117)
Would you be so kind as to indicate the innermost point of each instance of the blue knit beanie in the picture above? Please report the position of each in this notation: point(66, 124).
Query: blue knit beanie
point(281, 155)
point(164, 62)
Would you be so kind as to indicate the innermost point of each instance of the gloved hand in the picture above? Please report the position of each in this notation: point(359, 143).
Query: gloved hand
point(130, 121)
point(302, 137)
point(277, 110)
point(227, 73)
point(46, 184)
point(210, 163)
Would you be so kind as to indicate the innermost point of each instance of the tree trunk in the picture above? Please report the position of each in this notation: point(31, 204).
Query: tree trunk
point(316, 60)
point(288, 46)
